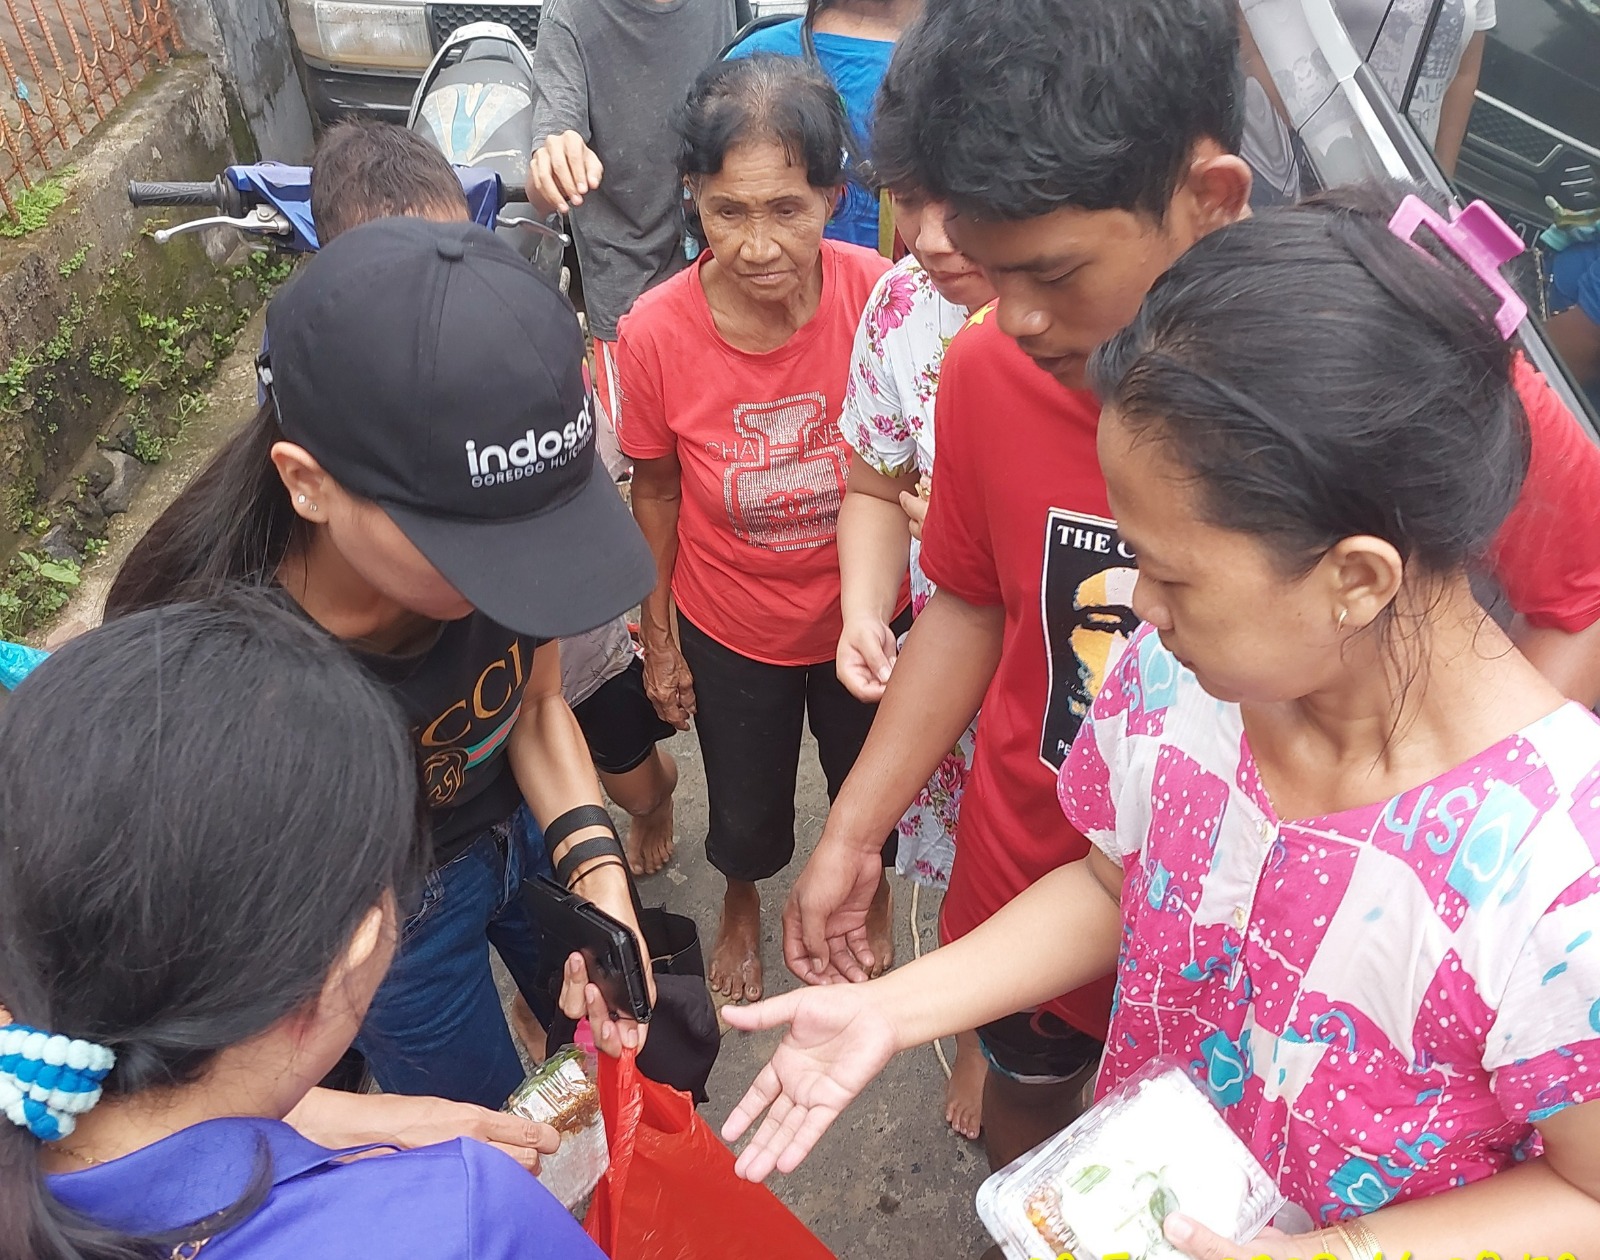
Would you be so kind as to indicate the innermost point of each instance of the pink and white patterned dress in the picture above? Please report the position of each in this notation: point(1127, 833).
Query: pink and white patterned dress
point(1382, 1002)
point(888, 421)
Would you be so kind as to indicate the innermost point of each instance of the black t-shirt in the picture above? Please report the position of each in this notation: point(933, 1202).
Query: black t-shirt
point(462, 695)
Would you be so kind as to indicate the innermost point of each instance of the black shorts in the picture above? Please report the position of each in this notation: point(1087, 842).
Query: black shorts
point(620, 724)
point(749, 718)
point(1038, 1048)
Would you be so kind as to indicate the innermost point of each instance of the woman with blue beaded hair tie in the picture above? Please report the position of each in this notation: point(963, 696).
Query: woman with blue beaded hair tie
point(210, 828)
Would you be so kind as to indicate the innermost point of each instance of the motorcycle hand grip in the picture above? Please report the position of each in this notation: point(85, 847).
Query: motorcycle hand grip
point(217, 193)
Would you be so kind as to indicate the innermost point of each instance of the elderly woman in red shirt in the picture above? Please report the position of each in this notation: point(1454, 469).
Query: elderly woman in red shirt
point(733, 376)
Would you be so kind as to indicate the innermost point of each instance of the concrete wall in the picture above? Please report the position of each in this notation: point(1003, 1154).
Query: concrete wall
point(105, 335)
point(250, 43)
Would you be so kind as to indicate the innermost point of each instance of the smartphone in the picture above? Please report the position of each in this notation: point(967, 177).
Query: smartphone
point(610, 949)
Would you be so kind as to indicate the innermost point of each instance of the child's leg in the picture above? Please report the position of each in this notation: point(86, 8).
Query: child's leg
point(623, 732)
point(1037, 1067)
point(963, 1096)
point(645, 792)
point(528, 1028)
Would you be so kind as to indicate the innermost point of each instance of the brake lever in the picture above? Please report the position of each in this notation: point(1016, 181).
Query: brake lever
point(263, 220)
point(533, 225)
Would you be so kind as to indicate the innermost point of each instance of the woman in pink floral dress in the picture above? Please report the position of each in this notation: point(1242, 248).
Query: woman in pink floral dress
point(1347, 839)
point(914, 311)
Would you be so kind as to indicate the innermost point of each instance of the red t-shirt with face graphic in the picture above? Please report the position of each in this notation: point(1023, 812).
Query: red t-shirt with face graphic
point(1018, 517)
point(764, 464)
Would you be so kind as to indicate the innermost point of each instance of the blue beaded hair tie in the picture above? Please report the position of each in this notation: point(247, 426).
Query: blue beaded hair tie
point(47, 1082)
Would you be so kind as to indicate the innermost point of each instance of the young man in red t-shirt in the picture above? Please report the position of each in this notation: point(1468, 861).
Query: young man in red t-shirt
point(1083, 145)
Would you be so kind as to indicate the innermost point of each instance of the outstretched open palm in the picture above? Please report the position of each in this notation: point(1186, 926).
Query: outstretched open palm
point(837, 1042)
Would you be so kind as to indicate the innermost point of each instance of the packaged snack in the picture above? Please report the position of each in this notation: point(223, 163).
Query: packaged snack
point(1104, 1185)
point(561, 1093)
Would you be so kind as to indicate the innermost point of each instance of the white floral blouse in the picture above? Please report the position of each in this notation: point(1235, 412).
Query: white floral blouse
point(888, 421)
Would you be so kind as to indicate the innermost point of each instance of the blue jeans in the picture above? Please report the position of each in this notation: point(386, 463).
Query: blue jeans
point(436, 1025)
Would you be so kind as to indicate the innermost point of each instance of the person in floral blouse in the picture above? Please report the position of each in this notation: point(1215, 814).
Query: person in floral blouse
point(1346, 862)
point(914, 311)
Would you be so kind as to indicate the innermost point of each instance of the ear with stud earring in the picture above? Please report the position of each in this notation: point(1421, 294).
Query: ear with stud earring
point(301, 500)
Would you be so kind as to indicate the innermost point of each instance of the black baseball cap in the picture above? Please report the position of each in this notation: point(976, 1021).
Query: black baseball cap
point(428, 367)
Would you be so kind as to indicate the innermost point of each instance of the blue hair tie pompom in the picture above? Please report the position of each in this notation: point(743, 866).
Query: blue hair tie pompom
point(47, 1081)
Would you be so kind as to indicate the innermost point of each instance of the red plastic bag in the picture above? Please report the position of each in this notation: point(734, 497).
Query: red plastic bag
point(670, 1192)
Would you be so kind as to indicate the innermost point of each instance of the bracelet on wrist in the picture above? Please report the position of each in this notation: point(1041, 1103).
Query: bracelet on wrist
point(586, 851)
point(1359, 1244)
point(601, 865)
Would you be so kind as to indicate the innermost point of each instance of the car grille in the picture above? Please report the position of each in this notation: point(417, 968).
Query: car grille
point(443, 19)
point(1493, 125)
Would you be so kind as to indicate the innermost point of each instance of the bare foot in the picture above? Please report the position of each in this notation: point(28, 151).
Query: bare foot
point(963, 1096)
point(880, 928)
point(528, 1029)
point(650, 841)
point(736, 954)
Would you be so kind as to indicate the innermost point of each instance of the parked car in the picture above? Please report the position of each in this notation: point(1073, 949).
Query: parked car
point(363, 58)
point(1318, 115)
point(1535, 128)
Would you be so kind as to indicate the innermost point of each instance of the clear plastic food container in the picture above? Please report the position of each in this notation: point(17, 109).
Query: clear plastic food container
point(1104, 1185)
point(561, 1093)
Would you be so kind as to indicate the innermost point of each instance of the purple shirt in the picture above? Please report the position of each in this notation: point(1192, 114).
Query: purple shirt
point(457, 1199)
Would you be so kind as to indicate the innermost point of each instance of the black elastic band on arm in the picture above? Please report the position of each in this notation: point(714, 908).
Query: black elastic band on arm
point(609, 846)
point(576, 819)
point(587, 851)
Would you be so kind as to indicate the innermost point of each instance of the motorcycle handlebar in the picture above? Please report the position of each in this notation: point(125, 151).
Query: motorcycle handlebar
point(217, 193)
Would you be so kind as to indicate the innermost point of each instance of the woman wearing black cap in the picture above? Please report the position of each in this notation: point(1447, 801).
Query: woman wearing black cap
point(421, 483)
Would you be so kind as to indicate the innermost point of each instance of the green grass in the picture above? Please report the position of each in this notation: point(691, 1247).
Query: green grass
point(71, 266)
point(34, 206)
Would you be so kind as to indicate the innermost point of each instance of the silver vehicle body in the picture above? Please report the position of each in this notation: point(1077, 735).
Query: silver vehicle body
point(365, 59)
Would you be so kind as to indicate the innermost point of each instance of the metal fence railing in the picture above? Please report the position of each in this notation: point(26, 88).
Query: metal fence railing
point(64, 65)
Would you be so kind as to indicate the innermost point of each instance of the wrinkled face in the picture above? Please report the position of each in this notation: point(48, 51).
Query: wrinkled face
point(1068, 280)
point(921, 224)
point(763, 220)
point(1220, 599)
point(373, 545)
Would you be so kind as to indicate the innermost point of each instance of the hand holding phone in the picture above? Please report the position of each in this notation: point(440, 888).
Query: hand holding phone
point(581, 999)
point(610, 951)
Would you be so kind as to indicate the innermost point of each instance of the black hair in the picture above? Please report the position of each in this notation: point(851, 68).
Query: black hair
point(232, 525)
point(198, 806)
point(364, 170)
point(787, 100)
point(895, 127)
point(1320, 378)
point(1012, 111)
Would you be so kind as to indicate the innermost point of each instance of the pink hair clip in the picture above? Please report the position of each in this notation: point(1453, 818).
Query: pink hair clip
point(1478, 237)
